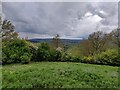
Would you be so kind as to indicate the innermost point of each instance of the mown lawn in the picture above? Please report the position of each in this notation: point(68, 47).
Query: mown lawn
point(59, 75)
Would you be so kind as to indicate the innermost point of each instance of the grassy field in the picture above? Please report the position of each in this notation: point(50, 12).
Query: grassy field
point(59, 75)
point(74, 51)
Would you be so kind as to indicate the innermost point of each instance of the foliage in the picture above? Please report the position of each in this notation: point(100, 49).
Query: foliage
point(25, 58)
point(33, 50)
point(92, 49)
point(114, 36)
point(55, 55)
point(58, 55)
point(14, 51)
point(86, 49)
point(56, 42)
point(95, 43)
point(43, 52)
point(7, 31)
point(59, 75)
point(68, 58)
point(109, 57)
point(88, 59)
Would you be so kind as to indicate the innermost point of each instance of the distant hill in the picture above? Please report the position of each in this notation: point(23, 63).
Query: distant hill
point(64, 41)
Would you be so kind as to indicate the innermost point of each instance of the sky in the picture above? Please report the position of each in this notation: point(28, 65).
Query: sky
point(68, 19)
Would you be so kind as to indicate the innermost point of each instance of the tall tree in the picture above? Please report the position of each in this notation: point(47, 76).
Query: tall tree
point(114, 36)
point(97, 41)
point(7, 31)
point(56, 42)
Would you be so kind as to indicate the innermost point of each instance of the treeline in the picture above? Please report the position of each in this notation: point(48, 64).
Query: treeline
point(102, 48)
point(99, 48)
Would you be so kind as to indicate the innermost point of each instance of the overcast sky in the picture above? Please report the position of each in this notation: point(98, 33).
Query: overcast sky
point(68, 19)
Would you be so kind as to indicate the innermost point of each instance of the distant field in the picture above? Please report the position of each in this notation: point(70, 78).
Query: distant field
point(74, 51)
point(59, 75)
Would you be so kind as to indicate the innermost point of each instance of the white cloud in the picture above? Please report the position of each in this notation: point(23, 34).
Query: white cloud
point(85, 25)
point(103, 12)
point(96, 18)
point(88, 14)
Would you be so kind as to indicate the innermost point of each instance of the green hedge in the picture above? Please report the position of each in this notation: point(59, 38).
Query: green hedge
point(16, 51)
point(68, 58)
point(109, 57)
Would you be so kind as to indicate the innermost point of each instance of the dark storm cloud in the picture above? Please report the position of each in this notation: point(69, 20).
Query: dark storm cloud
point(67, 19)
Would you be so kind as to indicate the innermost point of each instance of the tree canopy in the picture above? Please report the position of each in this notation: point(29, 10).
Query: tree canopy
point(7, 30)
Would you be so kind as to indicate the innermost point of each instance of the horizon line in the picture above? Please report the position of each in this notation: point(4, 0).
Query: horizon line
point(60, 38)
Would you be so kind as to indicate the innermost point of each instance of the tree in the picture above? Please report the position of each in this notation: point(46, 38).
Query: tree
point(114, 37)
point(86, 49)
point(118, 30)
point(7, 31)
point(97, 41)
point(56, 42)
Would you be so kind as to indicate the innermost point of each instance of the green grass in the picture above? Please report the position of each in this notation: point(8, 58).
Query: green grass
point(59, 75)
point(74, 51)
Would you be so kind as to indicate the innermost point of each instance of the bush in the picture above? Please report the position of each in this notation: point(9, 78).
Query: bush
point(110, 57)
point(75, 59)
point(88, 59)
point(12, 51)
point(43, 52)
point(58, 55)
point(55, 55)
point(4, 58)
point(69, 58)
point(25, 58)
point(33, 50)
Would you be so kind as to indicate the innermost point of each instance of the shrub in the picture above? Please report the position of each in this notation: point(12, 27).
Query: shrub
point(69, 58)
point(58, 55)
point(110, 57)
point(42, 55)
point(55, 55)
point(88, 59)
point(25, 58)
point(75, 59)
point(43, 52)
point(12, 51)
point(33, 50)
point(4, 58)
